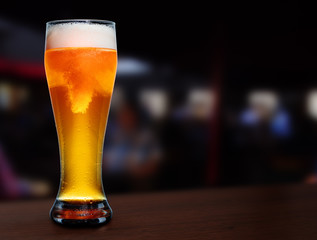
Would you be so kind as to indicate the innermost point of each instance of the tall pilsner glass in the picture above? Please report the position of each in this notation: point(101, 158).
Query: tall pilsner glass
point(80, 65)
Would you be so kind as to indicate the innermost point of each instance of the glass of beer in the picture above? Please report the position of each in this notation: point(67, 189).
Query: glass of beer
point(80, 66)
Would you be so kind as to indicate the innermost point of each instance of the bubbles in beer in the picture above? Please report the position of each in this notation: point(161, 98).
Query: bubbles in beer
point(83, 59)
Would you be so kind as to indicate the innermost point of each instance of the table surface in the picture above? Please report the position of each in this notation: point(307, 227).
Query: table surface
point(267, 212)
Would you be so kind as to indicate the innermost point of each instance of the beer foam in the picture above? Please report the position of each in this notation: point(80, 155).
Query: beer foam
point(80, 34)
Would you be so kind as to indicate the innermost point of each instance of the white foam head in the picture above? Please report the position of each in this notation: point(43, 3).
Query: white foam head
point(80, 34)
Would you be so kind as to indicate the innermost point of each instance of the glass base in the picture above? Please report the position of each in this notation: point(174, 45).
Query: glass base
point(81, 213)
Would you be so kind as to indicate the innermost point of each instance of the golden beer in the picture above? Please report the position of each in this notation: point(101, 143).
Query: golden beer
point(80, 81)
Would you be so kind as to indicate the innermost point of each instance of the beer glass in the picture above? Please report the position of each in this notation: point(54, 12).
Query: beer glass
point(80, 66)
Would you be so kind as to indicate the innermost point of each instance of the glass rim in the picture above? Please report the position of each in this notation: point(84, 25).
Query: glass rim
point(93, 21)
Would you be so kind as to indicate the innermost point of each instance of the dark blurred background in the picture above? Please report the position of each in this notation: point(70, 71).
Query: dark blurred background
point(207, 94)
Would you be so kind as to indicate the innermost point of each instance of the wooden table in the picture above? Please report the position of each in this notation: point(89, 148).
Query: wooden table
point(269, 212)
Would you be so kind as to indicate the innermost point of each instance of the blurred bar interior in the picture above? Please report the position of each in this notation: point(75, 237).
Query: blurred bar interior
point(205, 95)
